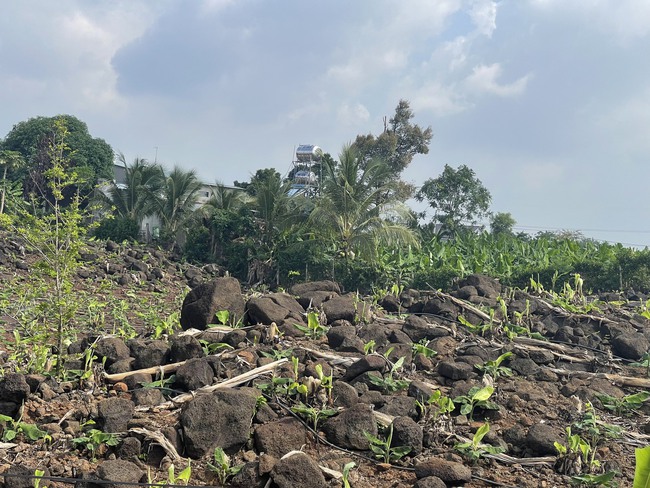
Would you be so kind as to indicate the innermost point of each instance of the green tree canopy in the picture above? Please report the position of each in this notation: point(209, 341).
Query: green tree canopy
point(400, 142)
point(353, 210)
point(501, 223)
point(457, 197)
point(258, 180)
point(89, 157)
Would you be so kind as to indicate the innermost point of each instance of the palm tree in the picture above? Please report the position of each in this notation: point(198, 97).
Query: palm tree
point(356, 210)
point(9, 160)
point(177, 200)
point(137, 197)
point(279, 215)
point(224, 215)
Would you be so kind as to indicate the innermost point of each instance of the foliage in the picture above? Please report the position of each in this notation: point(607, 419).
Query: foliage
point(92, 440)
point(56, 234)
point(313, 414)
point(388, 383)
point(313, 330)
point(502, 223)
point(354, 213)
point(176, 201)
point(346, 473)
point(137, 197)
point(13, 428)
point(494, 368)
point(90, 158)
point(222, 466)
point(642, 469)
point(118, 229)
point(457, 197)
point(383, 448)
point(476, 397)
point(10, 161)
point(397, 145)
point(626, 405)
point(422, 348)
point(474, 450)
point(436, 405)
point(605, 479)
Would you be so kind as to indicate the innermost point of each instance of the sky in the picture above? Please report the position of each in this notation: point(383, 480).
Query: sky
point(548, 101)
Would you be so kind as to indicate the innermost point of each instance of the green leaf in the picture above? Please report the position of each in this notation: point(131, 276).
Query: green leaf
point(642, 470)
point(480, 433)
point(483, 394)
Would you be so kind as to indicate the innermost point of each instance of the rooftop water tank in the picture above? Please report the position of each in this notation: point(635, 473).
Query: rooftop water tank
point(308, 152)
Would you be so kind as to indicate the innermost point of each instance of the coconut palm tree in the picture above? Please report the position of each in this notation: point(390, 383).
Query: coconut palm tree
point(176, 202)
point(226, 216)
point(137, 197)
point(356, 210)
point(278, 215)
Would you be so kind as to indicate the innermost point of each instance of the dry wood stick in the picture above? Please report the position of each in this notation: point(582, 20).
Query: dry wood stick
point(164, 368)
point(237, 380)
point(614, 378)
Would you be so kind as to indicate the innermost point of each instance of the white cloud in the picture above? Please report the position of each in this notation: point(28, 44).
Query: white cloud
point(484, 15)
point(626, 19)
point(352, 114)
point(441, 100)
point(484, 79)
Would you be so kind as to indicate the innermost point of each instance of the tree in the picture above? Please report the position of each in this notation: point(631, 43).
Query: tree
point(10, 161)
point(400, 142)
point(177, 201)
point(259, 179)
point(56, 234)
point(137, 197)
point(351, 211)
point(224, 219)
point(502, 223)
point(89, 157)
point(458, 198)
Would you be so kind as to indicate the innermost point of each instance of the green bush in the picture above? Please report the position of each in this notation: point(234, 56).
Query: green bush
point(118, 229)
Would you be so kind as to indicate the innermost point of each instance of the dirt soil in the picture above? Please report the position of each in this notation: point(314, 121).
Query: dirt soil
point(568, 350)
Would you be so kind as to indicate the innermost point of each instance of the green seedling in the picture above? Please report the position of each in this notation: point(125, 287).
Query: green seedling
point(383, 449)
point(605, 480)
point(38, 477)
point(474, 450)
point(387, 383)
point(222, 466)
point(346, 473)
point(437, 404)
point(494, 368)
point(13, 428)
point(480, 329)
point(626, 405)
point(576, 456)
point(369, 347)
point(313, 414)
point(476, 397)
point(645, 360)
point(326, 381)
point(172, 479)
point(421, 348)
point(210, 348)
point(93, 440)
point(277, 354)
point(313, 330)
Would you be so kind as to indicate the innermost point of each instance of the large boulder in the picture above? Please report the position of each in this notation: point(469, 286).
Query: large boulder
point(280, 308)
point(204, 301)
point(222, 419)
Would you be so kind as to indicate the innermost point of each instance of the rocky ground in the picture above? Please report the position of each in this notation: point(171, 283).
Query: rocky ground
point(302, 383)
